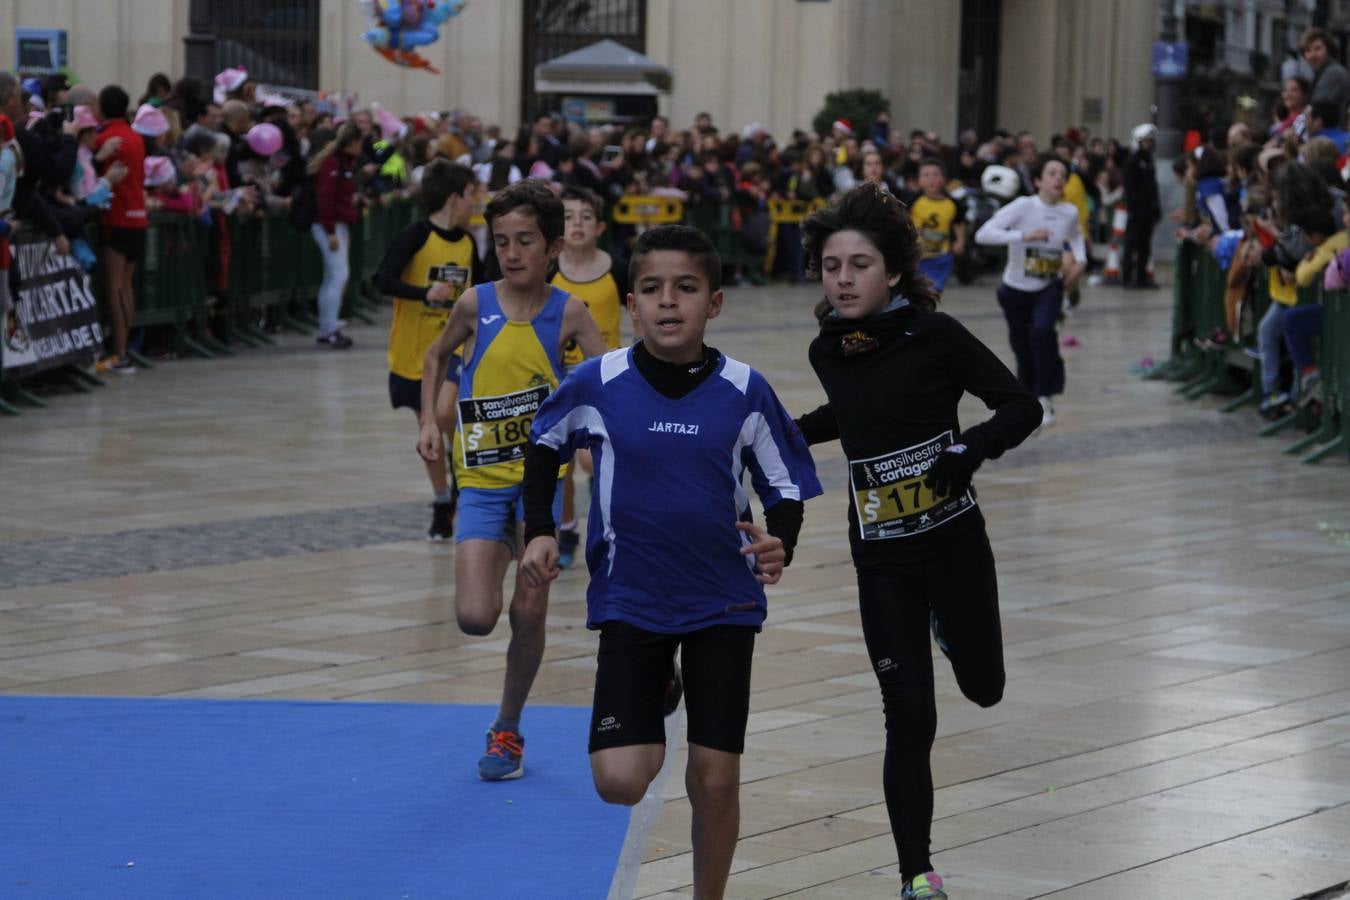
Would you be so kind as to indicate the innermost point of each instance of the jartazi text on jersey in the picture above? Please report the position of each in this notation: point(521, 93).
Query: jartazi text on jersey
point(674, 428)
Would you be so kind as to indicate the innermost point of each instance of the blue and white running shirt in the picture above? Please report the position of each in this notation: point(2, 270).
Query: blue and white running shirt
point(662, 545)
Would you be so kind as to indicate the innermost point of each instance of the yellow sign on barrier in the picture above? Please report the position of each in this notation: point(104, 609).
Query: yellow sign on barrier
point(792, 212)
point(786, 212)
point(648, 209)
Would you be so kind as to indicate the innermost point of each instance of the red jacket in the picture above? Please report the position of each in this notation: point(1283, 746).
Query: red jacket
point(334, 188)
point(128, 195)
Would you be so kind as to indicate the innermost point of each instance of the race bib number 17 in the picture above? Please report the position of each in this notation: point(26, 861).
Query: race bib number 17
point(891, 498)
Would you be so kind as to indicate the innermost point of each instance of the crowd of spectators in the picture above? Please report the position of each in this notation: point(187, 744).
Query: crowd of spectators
point(218, 150)
point(1270, 203)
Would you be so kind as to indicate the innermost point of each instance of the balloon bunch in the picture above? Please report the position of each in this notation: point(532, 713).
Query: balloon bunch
point(401, 26)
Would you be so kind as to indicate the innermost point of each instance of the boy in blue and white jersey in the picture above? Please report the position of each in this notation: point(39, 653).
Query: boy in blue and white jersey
point(675, 557)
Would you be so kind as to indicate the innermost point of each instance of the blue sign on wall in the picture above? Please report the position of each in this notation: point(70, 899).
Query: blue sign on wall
point(39, 51)
point(1169, 59)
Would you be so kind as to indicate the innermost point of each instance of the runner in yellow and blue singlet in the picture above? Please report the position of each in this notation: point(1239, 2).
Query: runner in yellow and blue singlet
point(512, 367)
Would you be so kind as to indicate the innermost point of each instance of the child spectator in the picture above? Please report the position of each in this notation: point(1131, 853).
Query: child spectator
point(161, 188)
point(1303, 323)
point(1211, 193)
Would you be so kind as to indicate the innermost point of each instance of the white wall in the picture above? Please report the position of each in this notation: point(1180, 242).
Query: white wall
point(771, 61)
point(478, 54)
point(110, 41)
point(1054, 53)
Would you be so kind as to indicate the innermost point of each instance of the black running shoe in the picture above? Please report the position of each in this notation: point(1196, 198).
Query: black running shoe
point(442, 521)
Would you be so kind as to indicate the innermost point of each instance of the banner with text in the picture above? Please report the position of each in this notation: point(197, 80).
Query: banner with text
point(52, 318)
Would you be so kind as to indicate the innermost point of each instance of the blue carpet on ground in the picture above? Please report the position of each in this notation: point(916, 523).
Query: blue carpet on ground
point(145, 798)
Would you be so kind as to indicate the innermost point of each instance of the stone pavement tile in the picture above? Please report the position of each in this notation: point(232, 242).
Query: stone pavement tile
point(1154, 644)
point(820, 834)
point(1274, 861)
point(810, 871)
point(884, 884)
point(77, 663)
point(796, 694)
point(156, 680)
point(302, 654)
point(674, 872)
point(257, 687)
point(1101, 841)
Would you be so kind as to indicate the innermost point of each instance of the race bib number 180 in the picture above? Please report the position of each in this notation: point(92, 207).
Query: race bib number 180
point(495, 430)
point(890, 496)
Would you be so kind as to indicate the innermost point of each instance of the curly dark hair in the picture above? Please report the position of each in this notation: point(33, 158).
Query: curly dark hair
point(886, 222)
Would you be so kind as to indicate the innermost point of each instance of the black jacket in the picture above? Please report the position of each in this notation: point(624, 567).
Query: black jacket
point(893, 381)
point(1140, 180)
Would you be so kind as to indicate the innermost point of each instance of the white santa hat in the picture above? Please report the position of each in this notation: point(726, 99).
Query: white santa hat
point(227, 81)
point(391, 126)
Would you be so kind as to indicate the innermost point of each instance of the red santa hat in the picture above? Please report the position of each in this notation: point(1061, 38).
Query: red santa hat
point(843, 125)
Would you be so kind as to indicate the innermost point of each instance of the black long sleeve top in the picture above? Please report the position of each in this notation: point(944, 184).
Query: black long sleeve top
point(388, 278)
point(894, 381)
point(674, 380)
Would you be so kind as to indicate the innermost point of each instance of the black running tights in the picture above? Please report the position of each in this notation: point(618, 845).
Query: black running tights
point(958, 583)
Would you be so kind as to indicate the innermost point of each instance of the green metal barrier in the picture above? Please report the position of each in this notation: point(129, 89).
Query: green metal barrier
point(1242, 354)
point(1183, 359)
point(1333, 431)
point(171, 284)
point(1336, 354)
point(1205, 366)
point(714, 220)
point(1202, 314)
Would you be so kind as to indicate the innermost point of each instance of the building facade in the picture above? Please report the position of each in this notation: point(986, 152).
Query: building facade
point(1040, 65)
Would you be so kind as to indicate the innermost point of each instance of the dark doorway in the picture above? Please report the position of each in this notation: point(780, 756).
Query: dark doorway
point(277, 41)
point(977, 90)
point(555, 27)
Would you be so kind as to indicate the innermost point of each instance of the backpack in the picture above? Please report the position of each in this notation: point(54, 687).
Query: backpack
point(302, 210)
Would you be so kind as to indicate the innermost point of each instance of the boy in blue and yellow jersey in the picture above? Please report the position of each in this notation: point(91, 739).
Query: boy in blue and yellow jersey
point(513, 331)
point(426, 269)
point(676, 559)
point(942, 231)
point(591, 275)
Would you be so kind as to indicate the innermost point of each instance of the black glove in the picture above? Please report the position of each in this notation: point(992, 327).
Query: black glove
point(950, 473)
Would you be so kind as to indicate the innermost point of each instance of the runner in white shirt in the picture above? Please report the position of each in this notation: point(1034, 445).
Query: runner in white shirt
point(1046, 256)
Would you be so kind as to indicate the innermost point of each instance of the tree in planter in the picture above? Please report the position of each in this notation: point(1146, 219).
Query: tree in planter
point(858, 105)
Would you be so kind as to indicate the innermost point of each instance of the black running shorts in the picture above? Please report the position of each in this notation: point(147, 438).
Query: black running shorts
point(630, 684)
point(129, 242)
